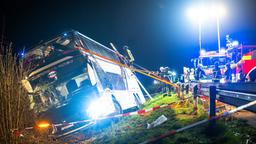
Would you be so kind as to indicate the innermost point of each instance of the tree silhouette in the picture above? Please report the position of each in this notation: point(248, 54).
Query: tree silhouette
point(14, 101)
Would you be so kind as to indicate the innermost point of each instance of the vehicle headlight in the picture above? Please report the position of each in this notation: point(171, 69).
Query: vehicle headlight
point(100, 107)
point(222, 80)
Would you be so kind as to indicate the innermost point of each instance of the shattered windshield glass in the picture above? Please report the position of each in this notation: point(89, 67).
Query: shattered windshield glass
point(50, 52)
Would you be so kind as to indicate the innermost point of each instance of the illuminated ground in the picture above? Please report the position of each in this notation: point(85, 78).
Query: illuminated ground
point(133, 129)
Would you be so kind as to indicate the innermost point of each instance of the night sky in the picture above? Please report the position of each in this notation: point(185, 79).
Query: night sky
point(158, 32)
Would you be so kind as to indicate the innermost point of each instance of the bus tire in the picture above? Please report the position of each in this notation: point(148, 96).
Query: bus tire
point(137, 100)
point(107, 122)
point(118, 108)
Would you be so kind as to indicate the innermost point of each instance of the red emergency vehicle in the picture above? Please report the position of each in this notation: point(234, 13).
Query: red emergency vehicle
point(245, 57)
point(208, 59)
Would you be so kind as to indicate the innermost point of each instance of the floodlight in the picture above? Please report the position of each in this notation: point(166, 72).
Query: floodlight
point(222, 50)
point(202, 52)
point(235, 43)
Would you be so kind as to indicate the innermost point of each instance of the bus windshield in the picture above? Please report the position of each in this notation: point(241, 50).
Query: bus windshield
point(45, 54)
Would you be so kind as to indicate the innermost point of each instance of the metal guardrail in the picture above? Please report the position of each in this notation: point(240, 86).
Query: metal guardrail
point(235, 94)
point(238, 95)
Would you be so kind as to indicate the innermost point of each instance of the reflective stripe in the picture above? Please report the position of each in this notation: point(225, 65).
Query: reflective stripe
point(141, 111)
point(247, 57)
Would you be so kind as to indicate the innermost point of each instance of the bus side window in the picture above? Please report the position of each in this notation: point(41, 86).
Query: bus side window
point(91, 75)
point(71, 86)
point(100, 49)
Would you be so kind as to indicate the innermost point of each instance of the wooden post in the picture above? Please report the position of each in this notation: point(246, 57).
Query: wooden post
point(195, 95)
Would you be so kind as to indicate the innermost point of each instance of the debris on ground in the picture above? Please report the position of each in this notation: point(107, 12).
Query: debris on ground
point(157, 122)
point(132, 129)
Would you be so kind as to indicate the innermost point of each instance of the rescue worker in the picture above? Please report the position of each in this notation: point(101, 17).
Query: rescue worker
point(192, 74)
point(182, 91)
point(199, 72)
point(186, 74)
point(181, 79)
point(216, 72)
point(228, 73)
point(242, 77)
point(128, 55)
point(187, 88)
point(164, 75)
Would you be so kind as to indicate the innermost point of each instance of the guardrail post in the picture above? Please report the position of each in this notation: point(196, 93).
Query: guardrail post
point(212, 93)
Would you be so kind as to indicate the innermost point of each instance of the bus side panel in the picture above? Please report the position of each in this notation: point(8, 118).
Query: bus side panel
point(125, 99)
point(123, 95)
point(133, 85)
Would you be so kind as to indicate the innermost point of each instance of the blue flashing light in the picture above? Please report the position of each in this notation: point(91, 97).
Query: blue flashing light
point(22, 54)
point(174, 73)
point(65, 34)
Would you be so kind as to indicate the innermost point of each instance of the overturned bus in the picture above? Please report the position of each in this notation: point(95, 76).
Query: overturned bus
point(74, 77)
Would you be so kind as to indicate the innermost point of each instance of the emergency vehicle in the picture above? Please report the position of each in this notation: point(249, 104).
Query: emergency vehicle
point(206, 62)
point(244, 57)
point(208, 59)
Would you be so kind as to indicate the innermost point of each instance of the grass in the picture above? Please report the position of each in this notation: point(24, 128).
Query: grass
point(133, 129)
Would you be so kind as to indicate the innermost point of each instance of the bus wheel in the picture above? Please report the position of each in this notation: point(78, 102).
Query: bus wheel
point(137, 100)
point(118, 108)
point(107, 122)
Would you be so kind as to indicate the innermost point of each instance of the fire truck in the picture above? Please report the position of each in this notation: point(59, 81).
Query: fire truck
point(208, 59)
point(244, 57)
point(206, 63)
point(242, 60)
